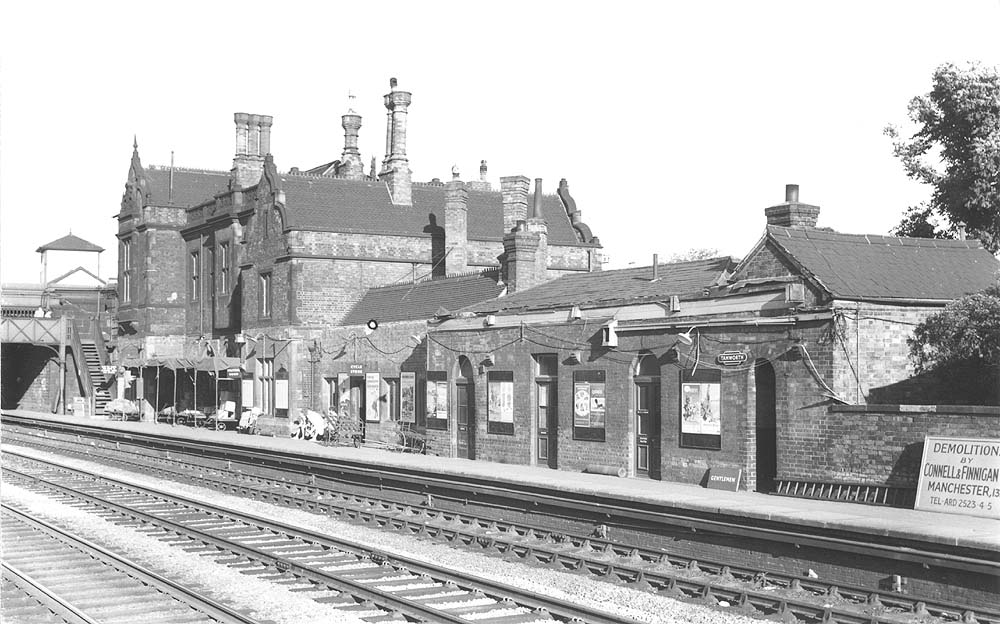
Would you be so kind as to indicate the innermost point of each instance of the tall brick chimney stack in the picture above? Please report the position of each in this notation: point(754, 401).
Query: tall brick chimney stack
point(396, 168)
point(253, 142)
point(792, 213)
point(514, 191)
point(526, 250)
point(350, 161)
point(456, 229)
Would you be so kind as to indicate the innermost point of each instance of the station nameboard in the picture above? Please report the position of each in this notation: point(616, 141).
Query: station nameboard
point(960, 476)
point(732, 358)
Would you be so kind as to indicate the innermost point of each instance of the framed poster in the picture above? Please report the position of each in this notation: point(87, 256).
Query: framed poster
point(407, 397)
point(589, 405)
point(436, 405)
point(373, 392)
point(500, 402)
point(701, 409)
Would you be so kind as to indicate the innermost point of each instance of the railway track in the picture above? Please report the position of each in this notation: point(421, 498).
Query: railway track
point(50, 575)
point(377, 584)
point(752, 590)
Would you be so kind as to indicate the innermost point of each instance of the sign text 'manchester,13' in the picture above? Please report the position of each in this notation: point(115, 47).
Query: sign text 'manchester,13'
point(960, 476)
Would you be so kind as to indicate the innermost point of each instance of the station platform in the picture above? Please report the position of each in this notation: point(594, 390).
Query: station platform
point(967, 532)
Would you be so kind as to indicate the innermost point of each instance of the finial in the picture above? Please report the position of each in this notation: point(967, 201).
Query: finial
point(454, 172)
point(135, 143)
point(392, 83)
point(350, 102)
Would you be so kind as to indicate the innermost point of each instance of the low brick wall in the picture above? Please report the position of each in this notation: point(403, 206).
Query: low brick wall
point(883, 444)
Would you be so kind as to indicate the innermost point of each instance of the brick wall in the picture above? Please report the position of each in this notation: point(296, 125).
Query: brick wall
point(883, 444)
point(870, 350)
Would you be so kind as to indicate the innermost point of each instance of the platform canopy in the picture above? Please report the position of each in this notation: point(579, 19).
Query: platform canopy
point(217, 363)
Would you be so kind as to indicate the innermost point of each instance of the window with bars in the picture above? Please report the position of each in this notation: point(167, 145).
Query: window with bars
point(264, 295)
point(224, 262)
point(195, 274)
point(127, 270)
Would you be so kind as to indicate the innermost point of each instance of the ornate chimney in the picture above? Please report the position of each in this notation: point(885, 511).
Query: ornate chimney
point(253, 142)
point(396, 168)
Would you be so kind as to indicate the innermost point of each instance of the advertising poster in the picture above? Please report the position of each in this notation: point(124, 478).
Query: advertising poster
point(441, 404)
point(501, 407)
point(281, 394)
point(431, 399)
point(344, 395)
point(597, 405)
point(700, 408)
point(247, 394)
point(960, 476)
point(581, 404)
point(407, 397)
point(373, 389)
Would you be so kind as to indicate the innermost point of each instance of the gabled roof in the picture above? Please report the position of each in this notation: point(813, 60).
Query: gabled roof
point(364, 207)
point(77, 270)
point(421, 300)
point(615, 287)
point(190, 188)
point(860, 267)
point(69, 243)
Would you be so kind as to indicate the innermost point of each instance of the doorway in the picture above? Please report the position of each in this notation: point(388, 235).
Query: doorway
point(766, 426)
point(647, 417)
point(465, 411)
point(548, 423)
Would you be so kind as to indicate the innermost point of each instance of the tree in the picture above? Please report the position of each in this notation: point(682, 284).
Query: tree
point(956, 150)
point(961, 344)
point(695, 253)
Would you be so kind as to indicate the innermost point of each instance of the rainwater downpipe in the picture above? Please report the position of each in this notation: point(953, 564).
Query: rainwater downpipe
point(857, 349)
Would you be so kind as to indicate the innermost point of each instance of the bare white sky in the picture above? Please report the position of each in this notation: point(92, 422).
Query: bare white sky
point(675, 123)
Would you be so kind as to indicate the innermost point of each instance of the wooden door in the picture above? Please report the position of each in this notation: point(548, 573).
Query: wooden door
point(465, 413)
point(548, 424)
point(647, 429)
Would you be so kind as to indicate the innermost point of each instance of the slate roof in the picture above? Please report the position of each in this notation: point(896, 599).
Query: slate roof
point(364, 207)
point(860, 267)
point(191, 186)
point(630, 285)
point(421, 300)
point(69, 243)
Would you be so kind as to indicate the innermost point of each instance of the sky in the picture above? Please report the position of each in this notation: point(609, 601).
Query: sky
point(675, 123)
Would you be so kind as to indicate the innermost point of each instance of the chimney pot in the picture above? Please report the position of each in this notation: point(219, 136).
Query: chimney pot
point(791, 193)
point(536, 209)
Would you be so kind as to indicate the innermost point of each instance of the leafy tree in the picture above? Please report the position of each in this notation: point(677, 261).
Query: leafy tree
point(695, 253)
point(961, 345)
point(956, 150)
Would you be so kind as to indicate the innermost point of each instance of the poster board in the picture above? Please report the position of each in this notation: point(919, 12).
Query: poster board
point(960, 476)
point(589, 405)
point(500, 402)
point(408, 397)
point(701, 409)
point(373, 390)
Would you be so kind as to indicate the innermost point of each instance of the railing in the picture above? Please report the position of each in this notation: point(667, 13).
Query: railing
point(31, 331)
point(81, 365)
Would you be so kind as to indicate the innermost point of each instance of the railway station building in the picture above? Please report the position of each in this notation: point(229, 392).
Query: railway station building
point(774, 370)
point(315, 282)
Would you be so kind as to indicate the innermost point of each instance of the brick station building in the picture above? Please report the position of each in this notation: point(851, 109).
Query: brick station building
point(770, 366)
point(317, 280)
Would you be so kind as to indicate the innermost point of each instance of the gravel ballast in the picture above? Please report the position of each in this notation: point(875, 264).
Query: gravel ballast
point(273, 602)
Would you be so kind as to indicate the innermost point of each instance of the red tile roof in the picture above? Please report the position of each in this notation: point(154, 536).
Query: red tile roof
point(613, 287)
point(69, 243)
point(860, 267)
point(191, 186)
point(364, 206)
point(421, 300)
